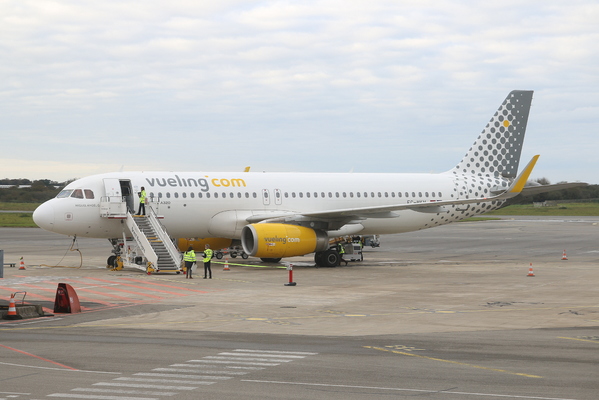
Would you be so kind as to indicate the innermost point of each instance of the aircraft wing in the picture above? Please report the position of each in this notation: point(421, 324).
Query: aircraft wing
point(388, 211)
point(532, 190)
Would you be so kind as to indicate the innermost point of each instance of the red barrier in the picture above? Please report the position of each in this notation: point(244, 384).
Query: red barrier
point(66, 299)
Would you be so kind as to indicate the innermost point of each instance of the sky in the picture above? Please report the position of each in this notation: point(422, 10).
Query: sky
point(89, 87)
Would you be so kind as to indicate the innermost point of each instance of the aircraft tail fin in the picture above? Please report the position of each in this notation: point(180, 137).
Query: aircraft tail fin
point(496, 152)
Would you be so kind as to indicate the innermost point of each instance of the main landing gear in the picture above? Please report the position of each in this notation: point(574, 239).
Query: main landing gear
point(328, 258)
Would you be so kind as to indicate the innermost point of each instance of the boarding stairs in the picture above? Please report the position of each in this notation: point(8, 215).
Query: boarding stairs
point(154, 251)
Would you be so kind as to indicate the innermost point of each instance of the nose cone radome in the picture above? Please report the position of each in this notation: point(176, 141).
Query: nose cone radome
point(43, 216)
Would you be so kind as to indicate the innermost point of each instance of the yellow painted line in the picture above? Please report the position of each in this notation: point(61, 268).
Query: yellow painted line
point(249, 265)
point(452, 362)
point(580, 340)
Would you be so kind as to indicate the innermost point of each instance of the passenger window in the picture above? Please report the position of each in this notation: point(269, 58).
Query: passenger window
point(77, 193)
point(159, 195)
point(239, 195)
point(386, 194)
point(184, 195)
point(254, 195)
point(192, 195)
point(301, 195)
point(176, 195)
point(231, 195)
point(247, 195)
point(200, 195)
point(358, 194)
point(168, 195)
point(89, 194)
point(308, 194)
point(215, 195)
point(398, 194)
point(207, 195)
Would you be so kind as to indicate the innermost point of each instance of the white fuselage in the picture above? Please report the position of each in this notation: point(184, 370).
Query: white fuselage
point(196, 204)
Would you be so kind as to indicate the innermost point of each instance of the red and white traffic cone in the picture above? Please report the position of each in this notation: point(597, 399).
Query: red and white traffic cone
point(530, 271)
point(226, 268)
point(22, 265)
point(12, 309)
point(564, 255)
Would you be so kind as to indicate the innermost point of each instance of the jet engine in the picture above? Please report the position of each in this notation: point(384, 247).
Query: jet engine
point(282, 240)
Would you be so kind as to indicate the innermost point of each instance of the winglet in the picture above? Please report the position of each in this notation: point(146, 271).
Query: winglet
point(520, 181)
point(247, 169)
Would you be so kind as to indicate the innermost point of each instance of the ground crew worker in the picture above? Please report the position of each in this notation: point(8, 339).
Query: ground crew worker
point(142, 202)
point(190, 258)
point(207, 257)
point(341, 253)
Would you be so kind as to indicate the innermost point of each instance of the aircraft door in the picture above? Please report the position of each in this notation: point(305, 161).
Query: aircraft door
point(278, 197)
point(265, 197)
point(112, 190)
point(127, 195)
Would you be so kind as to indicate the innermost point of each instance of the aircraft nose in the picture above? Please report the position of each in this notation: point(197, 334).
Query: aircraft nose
point(43, 216)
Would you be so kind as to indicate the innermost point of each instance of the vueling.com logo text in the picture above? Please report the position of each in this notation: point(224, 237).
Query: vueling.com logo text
point(284, 240)
point(202, 183)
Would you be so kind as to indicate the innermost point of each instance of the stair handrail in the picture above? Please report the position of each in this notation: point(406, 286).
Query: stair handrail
point(163, 235)
point(142, 241)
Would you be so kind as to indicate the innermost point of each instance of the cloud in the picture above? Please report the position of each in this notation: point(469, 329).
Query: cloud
point(271, 82)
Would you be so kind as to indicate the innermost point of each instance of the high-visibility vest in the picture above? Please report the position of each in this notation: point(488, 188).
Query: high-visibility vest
point(142, 196)
point(189, 256)
point(341, 249)
point(207, 255)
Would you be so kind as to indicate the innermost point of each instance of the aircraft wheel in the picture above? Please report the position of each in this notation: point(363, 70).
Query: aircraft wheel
point(219, 255)
point(244, 256)
point(110, 262)
point(330, 258)
point(233, 254)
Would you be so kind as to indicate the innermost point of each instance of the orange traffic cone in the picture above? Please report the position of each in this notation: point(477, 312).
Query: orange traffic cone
point(12, 309)
point(564, 255)
point(226, 268)
point(530, 271)
point(22, 266)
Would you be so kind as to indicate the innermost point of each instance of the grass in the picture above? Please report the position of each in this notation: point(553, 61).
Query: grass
point(21, 220)
point(18, 206)
point(560, 210)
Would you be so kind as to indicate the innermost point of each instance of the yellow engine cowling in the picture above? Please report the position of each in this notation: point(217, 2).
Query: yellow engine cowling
point(198, 244)
point(282, 240)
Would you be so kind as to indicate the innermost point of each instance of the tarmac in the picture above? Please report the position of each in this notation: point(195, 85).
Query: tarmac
point(460, 277)
point(443, 313)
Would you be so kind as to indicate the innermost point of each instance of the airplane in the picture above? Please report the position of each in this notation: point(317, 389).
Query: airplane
point(277, 215)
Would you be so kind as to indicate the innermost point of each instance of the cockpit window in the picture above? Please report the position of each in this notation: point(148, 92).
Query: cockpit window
point(89, 194)
point(64, 193)
point(77, 193)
